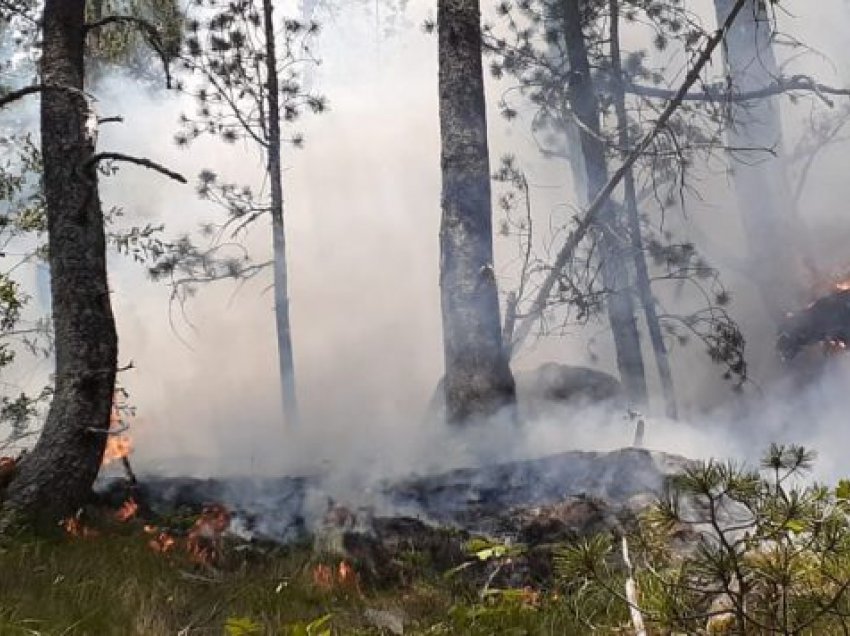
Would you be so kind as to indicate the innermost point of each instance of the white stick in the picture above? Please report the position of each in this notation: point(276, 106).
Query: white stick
point(631, 593)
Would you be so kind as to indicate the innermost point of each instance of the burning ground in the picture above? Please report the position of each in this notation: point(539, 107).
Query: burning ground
point(162, 556)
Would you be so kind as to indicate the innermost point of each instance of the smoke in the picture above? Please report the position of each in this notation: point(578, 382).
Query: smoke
point(362, 213)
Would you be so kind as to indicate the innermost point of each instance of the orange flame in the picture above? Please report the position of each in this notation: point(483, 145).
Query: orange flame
point(326, 578)
point(323, 577)
point(74, 527)
point(824, 284)
point(346, 575)
point(204, 541)
point(162, 542)
point(127, 511)
point(118, 445)
point(530, 597)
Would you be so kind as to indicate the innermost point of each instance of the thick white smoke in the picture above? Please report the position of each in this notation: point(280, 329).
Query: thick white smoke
point(363, 207)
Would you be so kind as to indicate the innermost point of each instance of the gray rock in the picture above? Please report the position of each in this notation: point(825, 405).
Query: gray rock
point(562, 384)
point(552, 384)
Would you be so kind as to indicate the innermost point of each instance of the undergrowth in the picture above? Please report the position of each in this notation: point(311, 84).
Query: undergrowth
point(115, 584)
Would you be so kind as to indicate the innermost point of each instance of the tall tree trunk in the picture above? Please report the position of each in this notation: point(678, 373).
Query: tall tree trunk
point(281, 284)
point(608, 226)
point(478, 379)
point(765, 202)
point(644, 284)
point(56, 476)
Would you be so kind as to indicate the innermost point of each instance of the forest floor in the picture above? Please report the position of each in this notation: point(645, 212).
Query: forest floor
point(129, 578)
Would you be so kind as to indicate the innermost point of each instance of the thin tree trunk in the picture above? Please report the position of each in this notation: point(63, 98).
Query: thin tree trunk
point(586, 221)
point(644, 284)
point(478, 379)
point(609, 229)
point(281, 292)
point(56, 476)
point(765, 203)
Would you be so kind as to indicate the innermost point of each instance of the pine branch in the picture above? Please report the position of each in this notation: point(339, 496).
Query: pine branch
point(781, 86)
point(153, 33)
point(16, 10)
point(598, 203)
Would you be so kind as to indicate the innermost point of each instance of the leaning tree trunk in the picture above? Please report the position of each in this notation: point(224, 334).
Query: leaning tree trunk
point(766, 206)
point(281, 283)
point(608, 226)
point(478, 379)
point(56, 476)
point(643, 281)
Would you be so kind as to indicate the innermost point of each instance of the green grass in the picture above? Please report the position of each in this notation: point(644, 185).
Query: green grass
point(114, 584)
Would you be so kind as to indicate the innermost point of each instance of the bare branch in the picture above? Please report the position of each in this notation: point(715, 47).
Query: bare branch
point(145, 163)
point(14, 96)
point(716, 94)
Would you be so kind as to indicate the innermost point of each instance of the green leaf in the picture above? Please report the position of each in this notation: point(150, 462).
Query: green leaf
point(489, 553)
point(795, 525)
point(319, 626)
point(242, 627)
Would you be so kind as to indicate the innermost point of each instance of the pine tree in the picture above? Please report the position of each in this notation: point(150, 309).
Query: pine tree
point(246, 81)
point(478, 380)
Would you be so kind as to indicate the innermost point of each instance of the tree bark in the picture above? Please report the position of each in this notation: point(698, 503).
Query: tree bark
point(608, 226)
point(766, 205)
point(643, 281)
point(478, 379)
point(56, 476)
point(281, 282)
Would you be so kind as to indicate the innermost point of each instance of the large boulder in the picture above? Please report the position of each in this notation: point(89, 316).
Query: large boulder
point(552, 384)
point(565, 384)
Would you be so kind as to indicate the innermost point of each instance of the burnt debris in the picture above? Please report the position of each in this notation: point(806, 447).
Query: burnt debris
point(825, 321)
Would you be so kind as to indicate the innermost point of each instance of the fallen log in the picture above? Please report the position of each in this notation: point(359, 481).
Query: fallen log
point(825, 321)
